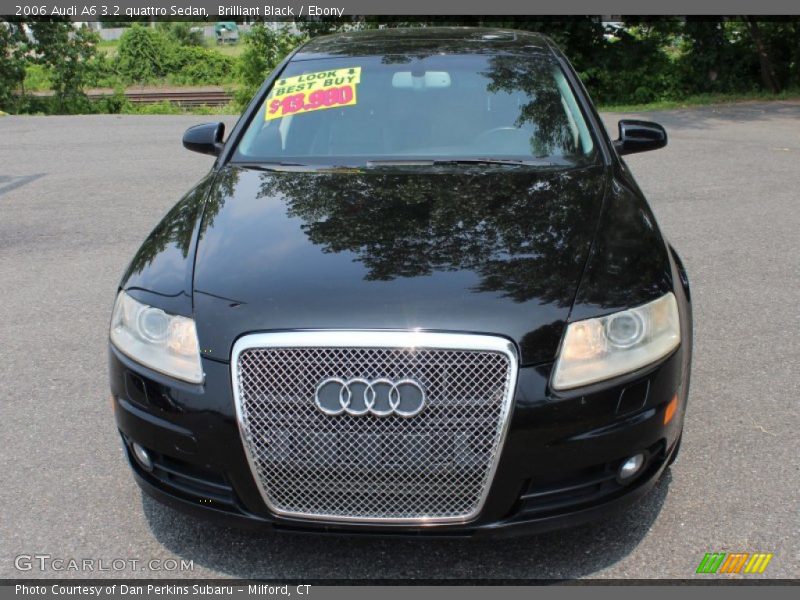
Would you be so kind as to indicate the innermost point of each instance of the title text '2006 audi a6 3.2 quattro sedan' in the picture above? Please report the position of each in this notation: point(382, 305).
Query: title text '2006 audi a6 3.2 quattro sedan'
point(418, 293)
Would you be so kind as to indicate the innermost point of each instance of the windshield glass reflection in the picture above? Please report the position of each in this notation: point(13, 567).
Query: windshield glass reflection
point(419, 106)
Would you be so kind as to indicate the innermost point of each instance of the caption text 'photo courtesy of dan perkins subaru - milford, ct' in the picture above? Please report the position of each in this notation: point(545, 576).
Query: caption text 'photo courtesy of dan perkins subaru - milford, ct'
point(419, 292)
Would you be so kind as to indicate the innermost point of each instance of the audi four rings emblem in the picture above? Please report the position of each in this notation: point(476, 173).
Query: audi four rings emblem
point(381, 397)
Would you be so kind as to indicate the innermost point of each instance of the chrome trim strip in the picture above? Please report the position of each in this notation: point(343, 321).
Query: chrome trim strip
point(378, 339)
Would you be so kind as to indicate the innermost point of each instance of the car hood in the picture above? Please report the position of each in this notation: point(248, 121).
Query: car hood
point(496, 250)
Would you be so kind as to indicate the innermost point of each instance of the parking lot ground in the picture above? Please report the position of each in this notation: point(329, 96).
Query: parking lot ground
point(79, 194)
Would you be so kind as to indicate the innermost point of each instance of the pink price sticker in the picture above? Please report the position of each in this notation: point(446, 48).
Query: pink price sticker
point(313, 91)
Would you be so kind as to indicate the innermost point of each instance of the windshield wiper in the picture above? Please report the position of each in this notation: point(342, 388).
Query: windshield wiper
point(491, 161)
point(400, 162)
point(281, 165)
point(455, 161)
point(289, 166)
point(269, 166)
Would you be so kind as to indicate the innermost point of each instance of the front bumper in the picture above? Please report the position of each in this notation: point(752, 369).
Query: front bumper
point(557, 469)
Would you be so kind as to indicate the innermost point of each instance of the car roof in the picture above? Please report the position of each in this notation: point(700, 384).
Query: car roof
point(426, 40)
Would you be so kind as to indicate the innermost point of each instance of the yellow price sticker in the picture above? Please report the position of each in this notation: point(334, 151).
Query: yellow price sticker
point(312, 91)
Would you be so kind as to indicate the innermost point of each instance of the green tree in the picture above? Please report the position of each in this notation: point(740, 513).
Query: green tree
point(643, 59)
point(776, 45)
point(768, 76)
point(142, 53)
point(264, 49)
point(67, 53)
point(13, 48)
point(635, 64)
point(704, 61)
point(327, 25)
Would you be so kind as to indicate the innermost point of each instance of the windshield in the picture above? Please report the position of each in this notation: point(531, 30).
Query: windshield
point(351, 111)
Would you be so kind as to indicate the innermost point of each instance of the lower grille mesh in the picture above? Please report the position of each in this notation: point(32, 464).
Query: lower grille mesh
point(435, 465)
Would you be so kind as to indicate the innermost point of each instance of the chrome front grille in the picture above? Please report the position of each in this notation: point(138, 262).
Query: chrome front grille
point(433, 467)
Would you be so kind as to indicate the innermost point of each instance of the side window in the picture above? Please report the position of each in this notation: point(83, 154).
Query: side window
point(576, 121)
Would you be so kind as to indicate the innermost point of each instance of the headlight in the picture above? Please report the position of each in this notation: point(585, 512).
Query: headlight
point(166, 343)
point(597, 349)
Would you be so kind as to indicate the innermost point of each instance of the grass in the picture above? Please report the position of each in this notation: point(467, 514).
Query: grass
point(170, 108)
point(108, 47)
point(234, 50)
point(111, 47)
point(37, 78)
point(701, 100)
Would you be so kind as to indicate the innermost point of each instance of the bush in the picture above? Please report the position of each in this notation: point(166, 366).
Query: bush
point(141, 55)
point(180, 32)
point(193, 65)
point(636, 69)
point(147, 55)
point(102, 72)
point(114, 104)
point(165, 107)
point(264, 49)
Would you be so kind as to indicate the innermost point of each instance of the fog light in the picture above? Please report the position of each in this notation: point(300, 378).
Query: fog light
point(631, 466)
point(142, 457)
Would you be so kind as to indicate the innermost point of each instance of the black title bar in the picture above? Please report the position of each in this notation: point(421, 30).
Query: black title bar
point(87, 10)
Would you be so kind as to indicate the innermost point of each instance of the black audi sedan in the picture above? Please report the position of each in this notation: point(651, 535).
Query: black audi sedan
point(419, 292)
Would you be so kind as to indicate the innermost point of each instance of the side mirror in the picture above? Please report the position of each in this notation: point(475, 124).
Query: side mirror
point(206, 138)
point(639, 136)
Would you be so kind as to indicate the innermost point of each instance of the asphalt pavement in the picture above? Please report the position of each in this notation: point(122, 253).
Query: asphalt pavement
point(79, 194)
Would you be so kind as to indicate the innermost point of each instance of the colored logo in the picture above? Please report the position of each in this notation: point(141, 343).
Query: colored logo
point(735, 562)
